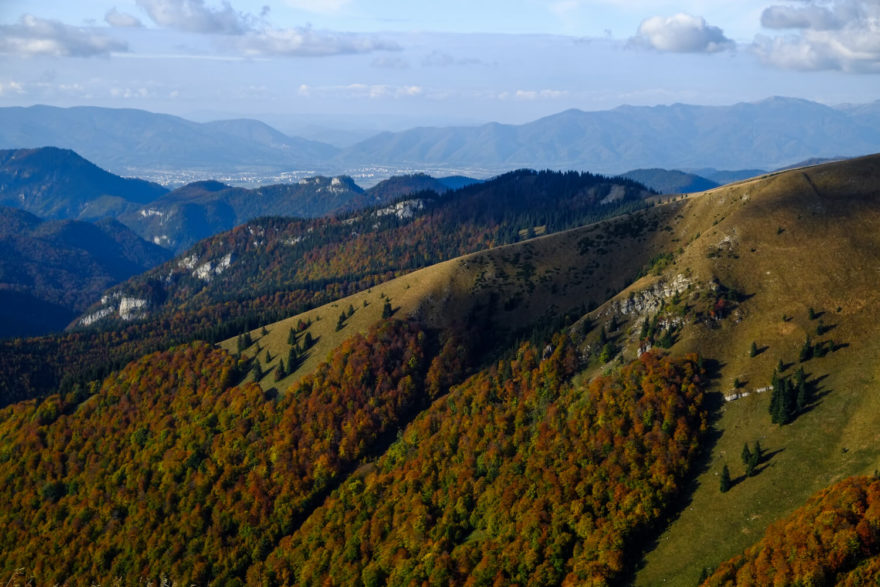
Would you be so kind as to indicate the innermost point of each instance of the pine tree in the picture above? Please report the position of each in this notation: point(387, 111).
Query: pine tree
point(806, 351)
point(280, 371)
point(746, 454)
point(603, 336)
point(292, 358)
point(725, 480)
point(257, 370)
point(812, 313)
point(386, 310)
point(308, 341)
point(268, 358)
point(780, 366)
point(291, 337)
point(753, 350)
point(340, 324)
point(802, 392)
point(754, 460)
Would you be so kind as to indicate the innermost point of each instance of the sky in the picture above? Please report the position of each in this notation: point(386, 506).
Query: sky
point(391, 64)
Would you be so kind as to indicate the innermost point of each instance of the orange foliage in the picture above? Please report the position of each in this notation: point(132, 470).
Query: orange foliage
point(833, 539)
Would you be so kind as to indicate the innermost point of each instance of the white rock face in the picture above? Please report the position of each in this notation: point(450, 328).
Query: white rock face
point(207, 271)
point(649, 300)
point(95, 316)
point(129, 308)
point(188, 262)
point(403, 210)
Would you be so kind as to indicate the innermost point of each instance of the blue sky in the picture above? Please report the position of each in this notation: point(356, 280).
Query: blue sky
point(397, 63)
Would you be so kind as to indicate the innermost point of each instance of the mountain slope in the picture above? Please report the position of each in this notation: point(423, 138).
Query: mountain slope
point(132, 141)
point(537, 469)
point(745, 274)
point(668, 181)
point(57, 184)
point(770, 134)
point(199, 210)
point(330, 257)
point(51, 270)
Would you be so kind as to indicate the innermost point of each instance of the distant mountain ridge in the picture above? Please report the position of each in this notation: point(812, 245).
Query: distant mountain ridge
point(671, 181)
point(125, 139)
point(768, 134)
point(201, 209)
point(58, 183)
point(52, 269)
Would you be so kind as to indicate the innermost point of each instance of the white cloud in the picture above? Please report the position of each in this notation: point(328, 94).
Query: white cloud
point(121, 19)
point(193, 16)
point(306, 42)
point(682, 33)
point(825, 35)
point(12, 87)
point(799, 17)
point(37, 36)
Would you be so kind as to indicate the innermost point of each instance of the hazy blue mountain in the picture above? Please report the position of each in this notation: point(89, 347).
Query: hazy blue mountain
point(201, 209)
point(404, 185)
point(50, 270)
point(125, 139)
point(670, 181)
point(58, 183)
point(771, 133)
point(725, 176)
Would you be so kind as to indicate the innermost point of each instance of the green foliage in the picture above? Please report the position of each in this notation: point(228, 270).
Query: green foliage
point(526, 480)
point(753, 350)
point(169, 468)
point(806, 352)
point(725, 482)
point(386, 310)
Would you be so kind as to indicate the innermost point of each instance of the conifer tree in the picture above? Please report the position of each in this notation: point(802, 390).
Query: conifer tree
point(746, 454)
point(291, 337)
point(308, 341)
point(754, 460)
point(725, 480)
point(340, 323)
point(806, 351)
point(753, 350)
point(386, 310)
point(257, 370)
point(280, 371)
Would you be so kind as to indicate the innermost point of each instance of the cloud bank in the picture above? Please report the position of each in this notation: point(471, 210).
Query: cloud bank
point(33, 36)
point(839, 35)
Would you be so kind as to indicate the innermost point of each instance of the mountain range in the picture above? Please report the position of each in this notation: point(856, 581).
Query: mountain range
point(769, 134)
point(682, 392)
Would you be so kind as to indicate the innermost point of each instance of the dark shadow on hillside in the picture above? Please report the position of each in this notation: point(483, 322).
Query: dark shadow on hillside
point(649, 538)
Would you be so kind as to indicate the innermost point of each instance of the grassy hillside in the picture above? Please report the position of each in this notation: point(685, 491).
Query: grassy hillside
point(792, 245)
point(506, 291)
point(769, 261)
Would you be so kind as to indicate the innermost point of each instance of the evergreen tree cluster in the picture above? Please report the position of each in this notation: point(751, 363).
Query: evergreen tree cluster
point(789, 397)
